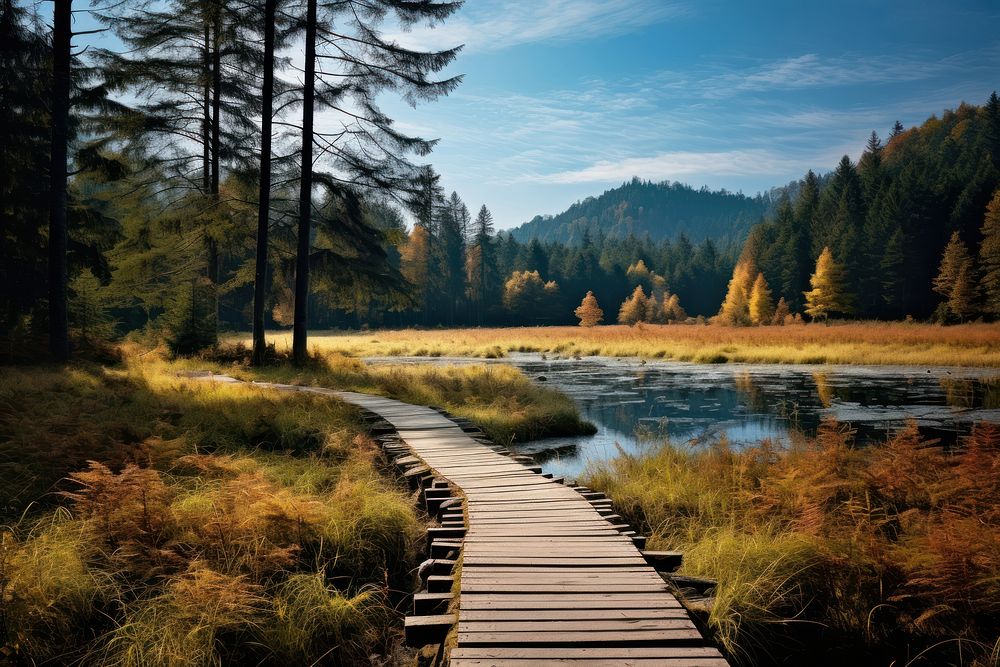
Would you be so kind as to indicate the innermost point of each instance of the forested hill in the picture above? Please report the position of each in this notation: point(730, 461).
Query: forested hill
point(658, 210)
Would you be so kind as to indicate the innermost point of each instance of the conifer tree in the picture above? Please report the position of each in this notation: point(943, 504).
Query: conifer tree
point(989, 257)
point(634, 309)
point(369, 153)
point(589, 312)
point(735, 309)
point(828, 295)
point(962, 300)
point(672, 310)
point(481, 265)
point(62, 37)
point(955, 281)
point(260, 287)
point(761, 305)
point(781, 312)
point(895, 282)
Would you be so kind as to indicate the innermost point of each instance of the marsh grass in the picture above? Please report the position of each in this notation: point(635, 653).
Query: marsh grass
point(500, 399)
point(153, 520)
point(872, 556)
point(898, 343)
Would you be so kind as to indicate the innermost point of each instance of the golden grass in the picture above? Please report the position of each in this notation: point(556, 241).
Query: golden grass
point(891, 550)
point(213, 524)
point(897, 343)
point(504, 402)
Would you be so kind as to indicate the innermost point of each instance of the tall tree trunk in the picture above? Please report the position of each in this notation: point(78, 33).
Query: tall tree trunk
point(62, 38)
point(264, 196)
point(300, 319)
point(216, 98)
point(213, 244)
point(206, 106)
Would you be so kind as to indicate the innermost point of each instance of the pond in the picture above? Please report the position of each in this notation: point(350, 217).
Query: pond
point(635, 404)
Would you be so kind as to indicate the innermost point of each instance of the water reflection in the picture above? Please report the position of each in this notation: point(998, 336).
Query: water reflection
point(633, 403)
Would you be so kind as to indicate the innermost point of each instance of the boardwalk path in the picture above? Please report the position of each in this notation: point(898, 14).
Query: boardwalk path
point(545, 577)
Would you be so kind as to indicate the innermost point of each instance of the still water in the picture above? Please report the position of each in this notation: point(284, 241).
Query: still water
point(635, 404)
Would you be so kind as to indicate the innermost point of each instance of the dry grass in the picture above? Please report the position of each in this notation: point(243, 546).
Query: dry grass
point(897, 343)
point(504, 402)
point(212, 525)
point(867, 556)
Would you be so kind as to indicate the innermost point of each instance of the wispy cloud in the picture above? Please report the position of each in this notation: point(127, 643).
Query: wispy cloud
point(674, 165)
point(495, 25)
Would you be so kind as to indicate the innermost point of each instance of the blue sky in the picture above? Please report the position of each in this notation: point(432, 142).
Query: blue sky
point(565, 98)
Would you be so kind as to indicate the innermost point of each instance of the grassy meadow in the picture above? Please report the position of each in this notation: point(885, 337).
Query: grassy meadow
point(149, 519)
point(897, 343)
point(829, 554)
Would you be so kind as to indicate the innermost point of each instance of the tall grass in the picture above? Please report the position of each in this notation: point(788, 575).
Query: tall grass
point(828, 554)
point(157, 521)
point(900, 343)
point(504, 402)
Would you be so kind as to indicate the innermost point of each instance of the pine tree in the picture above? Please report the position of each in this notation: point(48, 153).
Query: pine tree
point(989, 257)
point(589, 312)
point(634, 309)
point(369, 154)
point(735, 309)
point(781, 312)
point(260, 287)
point(761, 306)
point(452, 242)
point(62, 37)
point(672, 310)
point(955, 281)
point(962, 300)
point(481, 265)
point(897, 129)
point(416, 265)
point(828, 295)
point(895, 282)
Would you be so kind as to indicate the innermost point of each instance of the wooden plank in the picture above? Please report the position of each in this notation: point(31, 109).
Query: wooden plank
point(567, 614)
point(586, 625)
point(581, 637)
point(588, 652)
point(587, 662)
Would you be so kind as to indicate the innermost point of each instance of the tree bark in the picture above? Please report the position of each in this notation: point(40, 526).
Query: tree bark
point(62, 38)
point(206, 117)
point(212, 243)
point(264, 197)
point(300, 319)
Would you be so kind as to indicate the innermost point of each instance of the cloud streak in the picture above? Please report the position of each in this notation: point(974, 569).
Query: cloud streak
point(674, 165)
point(494, 26)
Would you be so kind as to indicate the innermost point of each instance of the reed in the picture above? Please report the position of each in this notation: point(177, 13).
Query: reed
point(870, 555)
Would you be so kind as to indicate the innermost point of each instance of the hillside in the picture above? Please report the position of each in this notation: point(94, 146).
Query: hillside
point(657, 210)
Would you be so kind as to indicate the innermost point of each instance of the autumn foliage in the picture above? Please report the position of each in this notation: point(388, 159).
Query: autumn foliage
point(894, 549)
point(589, 312)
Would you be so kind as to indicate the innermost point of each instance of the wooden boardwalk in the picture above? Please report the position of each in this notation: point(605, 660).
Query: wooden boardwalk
point(546, 577)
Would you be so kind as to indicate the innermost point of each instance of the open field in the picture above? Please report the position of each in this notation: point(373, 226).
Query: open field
point(879, 555)
point(877, 343)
